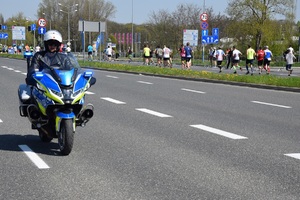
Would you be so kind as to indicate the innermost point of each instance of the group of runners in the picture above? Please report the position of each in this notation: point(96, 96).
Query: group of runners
point(262, 55)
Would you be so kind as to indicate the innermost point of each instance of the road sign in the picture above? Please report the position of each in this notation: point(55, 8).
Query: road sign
point(204, 25)
point(33, 27)
point(100, 40)
point(3, 27)
point(204, 33)
point(190, 36)
point(18, 33)
point(210, 39)
point(42, 30)
point(215, 31)
point(3, 35)
point(204, 17)
point(42, 22)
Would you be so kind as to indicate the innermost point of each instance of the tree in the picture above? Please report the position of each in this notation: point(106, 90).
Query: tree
point(167, 28)
point(88, 10)
point(255, 17)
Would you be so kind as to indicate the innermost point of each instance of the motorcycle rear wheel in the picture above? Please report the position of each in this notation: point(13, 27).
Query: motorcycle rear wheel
point(66, 136)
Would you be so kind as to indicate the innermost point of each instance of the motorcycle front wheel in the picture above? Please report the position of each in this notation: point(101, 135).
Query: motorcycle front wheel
point(66, 136)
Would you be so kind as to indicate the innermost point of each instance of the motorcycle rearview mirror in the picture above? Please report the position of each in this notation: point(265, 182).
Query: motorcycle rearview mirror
point(93, 81)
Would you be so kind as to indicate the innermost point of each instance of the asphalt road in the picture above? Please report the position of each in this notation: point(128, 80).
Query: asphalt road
point(155, 138)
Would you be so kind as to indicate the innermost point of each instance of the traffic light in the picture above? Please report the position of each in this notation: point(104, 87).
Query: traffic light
point(29, 28)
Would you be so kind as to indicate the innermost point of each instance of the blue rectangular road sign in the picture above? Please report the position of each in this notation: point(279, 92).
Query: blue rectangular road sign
point(33, 27)
point(216, 39)
point(41, 30)
point(210, 39)
point(4, 36)
point(3, 27)
point(215, 31)
point(204, 32)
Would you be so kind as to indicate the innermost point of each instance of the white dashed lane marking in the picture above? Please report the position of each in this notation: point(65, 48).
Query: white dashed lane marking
point(34, 157)
point(148, 83)
point(271, 104)
point(195, 91)
point(113, 100)
point(111, 76)
point(219, 132)
point(151, 112)
point(293, 155)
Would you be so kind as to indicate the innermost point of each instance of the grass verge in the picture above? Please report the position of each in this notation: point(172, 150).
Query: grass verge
point(261, 79)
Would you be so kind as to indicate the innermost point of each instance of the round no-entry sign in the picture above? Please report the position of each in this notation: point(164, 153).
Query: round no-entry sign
point(42, 22)
point(204, 17)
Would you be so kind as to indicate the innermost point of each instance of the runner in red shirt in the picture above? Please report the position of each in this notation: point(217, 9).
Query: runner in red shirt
point(260, 58)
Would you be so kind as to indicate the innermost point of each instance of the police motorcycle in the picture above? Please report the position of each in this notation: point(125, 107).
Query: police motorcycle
point(55, 106)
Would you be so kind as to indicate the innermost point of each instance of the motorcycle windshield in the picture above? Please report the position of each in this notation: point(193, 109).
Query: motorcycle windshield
point(65, 76)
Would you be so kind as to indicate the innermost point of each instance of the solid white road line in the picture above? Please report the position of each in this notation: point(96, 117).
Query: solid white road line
point(24, 74)
point(4, 67)
point(145, 82)
point(113, 100)
point(152, 112)
point(271, 104)
point(195, 91)
point(34, 157)
point(293, 155)
point(88, 92)
point(219, 132)
point(111, 76)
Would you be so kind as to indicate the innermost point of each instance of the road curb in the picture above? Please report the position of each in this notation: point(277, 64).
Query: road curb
point(270, 87)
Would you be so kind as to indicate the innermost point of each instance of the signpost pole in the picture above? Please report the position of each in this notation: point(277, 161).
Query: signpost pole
point(203, 45)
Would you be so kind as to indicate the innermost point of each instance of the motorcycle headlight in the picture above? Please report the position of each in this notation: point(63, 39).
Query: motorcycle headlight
point(40, 87)
point(77, 93)
point(59, 94)
point(68, 93)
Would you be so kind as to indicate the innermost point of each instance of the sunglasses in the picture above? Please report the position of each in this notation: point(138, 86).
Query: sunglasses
point(53, 43)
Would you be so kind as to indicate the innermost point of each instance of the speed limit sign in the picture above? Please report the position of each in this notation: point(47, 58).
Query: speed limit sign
point(42, 22)
point(204, 17)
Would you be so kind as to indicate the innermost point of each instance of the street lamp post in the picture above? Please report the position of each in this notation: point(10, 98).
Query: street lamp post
point(132, 27)
point(68, 12)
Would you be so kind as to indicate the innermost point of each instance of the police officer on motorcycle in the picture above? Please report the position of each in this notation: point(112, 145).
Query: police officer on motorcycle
point(49, 57)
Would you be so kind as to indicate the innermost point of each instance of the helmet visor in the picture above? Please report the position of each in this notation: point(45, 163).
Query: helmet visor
point(53, 43)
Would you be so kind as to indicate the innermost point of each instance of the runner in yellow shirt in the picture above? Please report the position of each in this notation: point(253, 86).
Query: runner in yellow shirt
point(147, 54)
point(250, 58)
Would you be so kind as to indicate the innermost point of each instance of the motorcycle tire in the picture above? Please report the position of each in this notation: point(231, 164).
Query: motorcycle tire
point(44, 137)
point(66, 136)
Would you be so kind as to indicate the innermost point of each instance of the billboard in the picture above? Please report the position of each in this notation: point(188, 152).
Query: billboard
point(190, 36)
point(18, 32)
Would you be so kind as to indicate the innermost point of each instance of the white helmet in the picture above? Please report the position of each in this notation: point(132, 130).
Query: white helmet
point(53, 35)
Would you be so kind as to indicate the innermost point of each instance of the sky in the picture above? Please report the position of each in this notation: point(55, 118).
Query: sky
point(141, 8)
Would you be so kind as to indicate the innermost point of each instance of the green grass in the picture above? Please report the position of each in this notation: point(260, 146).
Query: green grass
point(262, 79)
